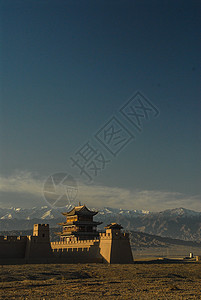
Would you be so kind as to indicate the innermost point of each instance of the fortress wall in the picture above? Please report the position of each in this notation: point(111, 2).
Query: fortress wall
point(24, 248)
point(38, 248)
point(111, 247)
point(105, 247)
point(121, 251)
point(12, 247)
point(77, 252)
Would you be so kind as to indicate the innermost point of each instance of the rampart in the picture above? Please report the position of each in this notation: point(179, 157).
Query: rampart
point(81, 251)
point(113, 246)
point(33, 248)
point(13, 247)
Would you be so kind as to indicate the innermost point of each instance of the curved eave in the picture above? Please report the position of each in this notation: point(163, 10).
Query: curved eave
point(80, 210)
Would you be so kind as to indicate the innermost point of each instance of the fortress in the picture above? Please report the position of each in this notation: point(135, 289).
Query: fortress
point(80, 242)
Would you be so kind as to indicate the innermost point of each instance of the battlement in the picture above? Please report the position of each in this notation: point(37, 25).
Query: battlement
point(60, 250)
point(12, 238)
point(106, 234)
point(41, 225)
point(79, 242)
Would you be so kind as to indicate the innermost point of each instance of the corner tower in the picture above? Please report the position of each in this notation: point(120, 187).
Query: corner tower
point(115, 245)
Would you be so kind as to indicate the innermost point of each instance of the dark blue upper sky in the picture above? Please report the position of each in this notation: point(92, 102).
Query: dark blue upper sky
point(68, 66)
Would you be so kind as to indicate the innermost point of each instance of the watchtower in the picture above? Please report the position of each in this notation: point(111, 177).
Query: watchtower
point(41, 230)
point(38, 245)
point(115, 245)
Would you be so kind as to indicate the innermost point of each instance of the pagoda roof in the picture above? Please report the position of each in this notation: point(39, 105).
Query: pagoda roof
point(80, 210)
point(113, 226)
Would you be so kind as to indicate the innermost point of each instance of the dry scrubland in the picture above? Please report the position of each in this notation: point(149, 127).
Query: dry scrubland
point(152, 280)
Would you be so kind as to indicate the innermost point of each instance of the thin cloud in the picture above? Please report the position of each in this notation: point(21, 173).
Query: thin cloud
point(26, 183)
point(100, 196)
point(21, 182)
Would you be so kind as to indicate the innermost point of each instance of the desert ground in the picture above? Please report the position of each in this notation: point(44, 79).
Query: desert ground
point(159, 279)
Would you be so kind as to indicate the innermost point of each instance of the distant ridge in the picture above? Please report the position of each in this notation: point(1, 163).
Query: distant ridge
point(138, 239)
point(177, 223)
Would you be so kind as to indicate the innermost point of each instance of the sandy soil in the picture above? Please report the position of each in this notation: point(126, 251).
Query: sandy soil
point(142, 280)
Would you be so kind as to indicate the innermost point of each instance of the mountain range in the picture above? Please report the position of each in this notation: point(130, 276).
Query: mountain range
point(179, 223)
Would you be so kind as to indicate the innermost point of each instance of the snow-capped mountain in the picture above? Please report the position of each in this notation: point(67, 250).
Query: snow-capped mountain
point(46, 212)
point(124, 212)
point(177, 223)
point(42, 213)
point(182, 212)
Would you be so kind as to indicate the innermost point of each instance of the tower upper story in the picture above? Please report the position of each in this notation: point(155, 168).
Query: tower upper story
point(80, 213)
point(79, 224)
point(113, 231)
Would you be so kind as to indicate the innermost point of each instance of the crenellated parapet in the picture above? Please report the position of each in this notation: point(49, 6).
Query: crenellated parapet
point(12, 238)
point(111, 234)
point(79, 242)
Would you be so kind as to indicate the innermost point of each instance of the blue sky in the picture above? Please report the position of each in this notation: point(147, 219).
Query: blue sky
point(68, 66)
